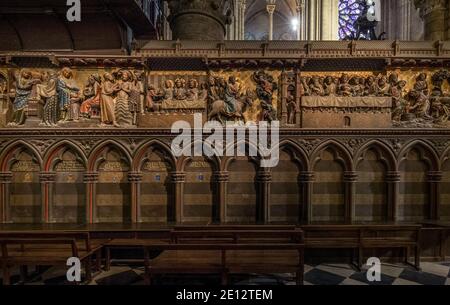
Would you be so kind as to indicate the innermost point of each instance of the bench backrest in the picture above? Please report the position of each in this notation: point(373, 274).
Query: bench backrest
point(24, 244)
point(238, 236)
point(82, 238)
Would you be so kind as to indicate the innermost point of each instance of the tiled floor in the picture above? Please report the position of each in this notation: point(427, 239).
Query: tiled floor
point(324, 274)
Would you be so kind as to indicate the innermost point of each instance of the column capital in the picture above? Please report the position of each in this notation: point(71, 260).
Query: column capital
point(177, 177)
point(47, 177)
point(306, 177)
point(270, 8)
point(90, 177)
point(392, 177)
point(134, 177)
point(263, 176)
point(350, 176)
point(221, 176)
point(434, 176)
point(5, 177)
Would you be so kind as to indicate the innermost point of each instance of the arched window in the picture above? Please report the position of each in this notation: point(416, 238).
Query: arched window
point(349, 11)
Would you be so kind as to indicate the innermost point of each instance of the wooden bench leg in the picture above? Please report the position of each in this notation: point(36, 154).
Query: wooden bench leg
point(417, 257)
point(23, 273)
point(360, 258)
point(301, 268)
point(224, 278)
point(98, 260)
point(107, 258)
point(406, 252)
point(88, 269)
point(147, 275)
point(6, 275)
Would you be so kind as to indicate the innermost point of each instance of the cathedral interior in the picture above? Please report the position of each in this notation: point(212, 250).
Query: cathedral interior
point(360, 90)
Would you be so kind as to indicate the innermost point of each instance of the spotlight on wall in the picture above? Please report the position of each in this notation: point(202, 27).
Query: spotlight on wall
point(294, 24)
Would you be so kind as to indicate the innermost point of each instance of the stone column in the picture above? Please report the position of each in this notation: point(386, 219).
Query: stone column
point(242, 25)
point(5, 181)
point(263, 210)
point(329, 20)
point(300, 6)
point(434, 180)
point(198, 20)
point(393, 184)
point(434, 14)
point(307, 180)
point(271, 9)
point(135, 179)
point(47, 180)
point(221, 178)
point(90, 179)
point(350, 179)
point(178, 179)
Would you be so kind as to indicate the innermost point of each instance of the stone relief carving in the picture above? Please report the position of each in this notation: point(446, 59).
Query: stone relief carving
point(176, 93)
point(56, 99)
point(119, 97)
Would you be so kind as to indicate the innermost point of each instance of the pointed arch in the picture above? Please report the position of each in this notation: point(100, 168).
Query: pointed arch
point(215, 160)
point(427, 153)
point(49, 157)
point(8, 151)
point(384, 153)
point(298, 154)
point(153, 144)
point(93, 159)
point(226, 161)
point(341, 154)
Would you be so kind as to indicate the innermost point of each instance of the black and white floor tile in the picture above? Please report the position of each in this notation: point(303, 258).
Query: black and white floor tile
point(323, 274)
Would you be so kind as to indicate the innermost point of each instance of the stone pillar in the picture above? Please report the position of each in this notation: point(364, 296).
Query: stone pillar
point(221, 178)
point(242, 25)
point(393, 189)
point(178, 179)
point(307, 180)
point(135, 179)
point(350, 179)
point(434, 180)
point(90, 179)
point(300, 6)
point(198, 20)
point(270, 9)
point(434, 14)
point(5, 181)
point(329, 20)
point(47, 180)
point(264, 179)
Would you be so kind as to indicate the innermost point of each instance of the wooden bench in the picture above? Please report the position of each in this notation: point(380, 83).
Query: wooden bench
point(23, 249)
point(226, 252)
point(358, 237)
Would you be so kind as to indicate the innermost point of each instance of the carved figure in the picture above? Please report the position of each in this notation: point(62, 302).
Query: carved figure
point(93, 95)
point(47, 93)
point(25, 83)
point(122, 106)
point(265, 87)
point(107, 103)
point(68, 95)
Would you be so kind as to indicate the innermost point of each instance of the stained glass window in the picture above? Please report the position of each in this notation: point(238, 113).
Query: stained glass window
point(349, 11)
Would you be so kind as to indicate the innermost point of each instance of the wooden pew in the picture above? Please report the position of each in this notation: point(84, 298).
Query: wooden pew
point(358, 237)
point(22, 249)
point(228, 252)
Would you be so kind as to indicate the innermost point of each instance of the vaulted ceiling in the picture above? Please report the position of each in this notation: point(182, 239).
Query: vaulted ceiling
point(257, 22)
